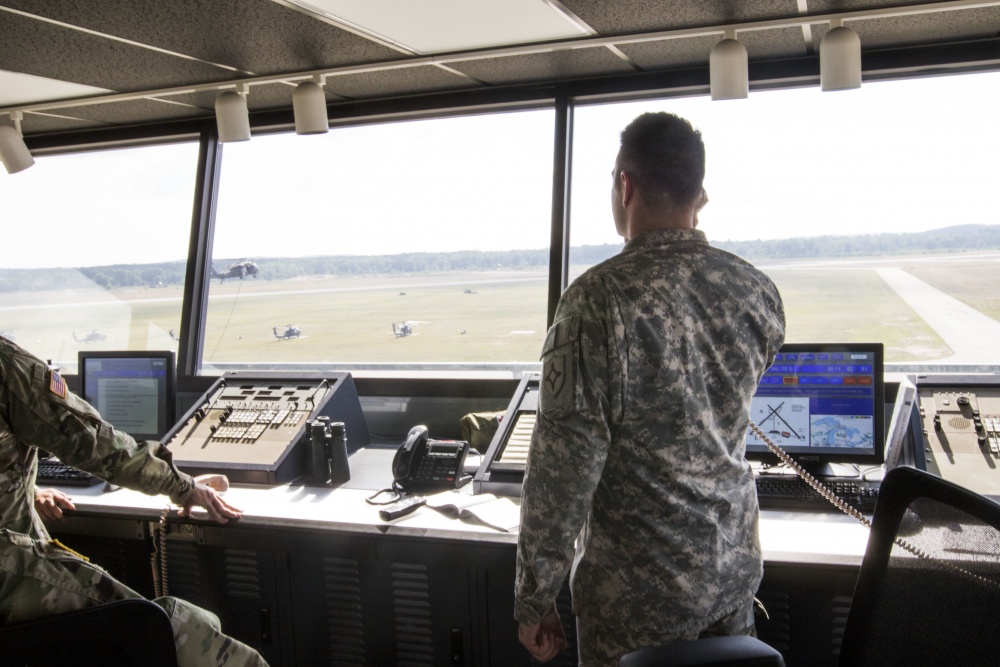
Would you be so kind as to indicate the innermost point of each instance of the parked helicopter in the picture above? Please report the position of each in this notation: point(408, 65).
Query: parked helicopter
point(400, 329)
point(291, 331)
point(238, 270)
point(94, 336)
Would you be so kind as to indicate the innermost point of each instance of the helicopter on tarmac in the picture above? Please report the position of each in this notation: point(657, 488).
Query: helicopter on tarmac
point(291, 331)
point(94, 336)
point(400, 329)
point(239, 270)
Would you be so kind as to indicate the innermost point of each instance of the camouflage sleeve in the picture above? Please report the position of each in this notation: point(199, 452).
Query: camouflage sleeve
point(44, 414)
point(568, 448)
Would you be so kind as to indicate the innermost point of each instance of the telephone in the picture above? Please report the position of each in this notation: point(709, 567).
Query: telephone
point(422, 463)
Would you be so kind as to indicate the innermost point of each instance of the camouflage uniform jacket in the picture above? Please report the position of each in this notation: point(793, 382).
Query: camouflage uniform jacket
point(36, 411)
point(648, 373)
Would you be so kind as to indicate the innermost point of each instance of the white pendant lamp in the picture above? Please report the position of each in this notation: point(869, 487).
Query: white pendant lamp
point(840, 59)
point(14, 152)
point(309, 105)
point(728, 70)
point(232, 116)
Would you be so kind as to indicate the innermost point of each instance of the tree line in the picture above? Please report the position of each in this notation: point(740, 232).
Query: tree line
point(949, 239)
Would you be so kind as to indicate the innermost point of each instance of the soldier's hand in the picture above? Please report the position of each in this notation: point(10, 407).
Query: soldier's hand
point(546, 639)
point(205, 496)
point(50, 503)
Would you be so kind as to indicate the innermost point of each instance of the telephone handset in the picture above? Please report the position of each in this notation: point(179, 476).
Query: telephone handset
point(422, 463)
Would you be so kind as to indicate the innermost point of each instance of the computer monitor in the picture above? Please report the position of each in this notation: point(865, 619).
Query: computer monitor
point(133, 391)
point(823, 404)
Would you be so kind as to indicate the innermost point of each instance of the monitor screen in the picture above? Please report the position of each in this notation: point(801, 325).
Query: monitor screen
point(133, 391)
point(822, 403)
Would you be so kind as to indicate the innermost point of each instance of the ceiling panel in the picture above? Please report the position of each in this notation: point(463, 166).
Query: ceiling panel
point(945, 26)
point(665, 53)
point(553, 65)
point(39, 123)
point(257, 36)
point(632, 16)
point(438, 26)
point(48, 50)
point(407, 80)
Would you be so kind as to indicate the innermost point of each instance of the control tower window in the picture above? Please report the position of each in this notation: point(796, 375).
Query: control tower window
point(95, 251)
point(417, 246)
point(873, 210)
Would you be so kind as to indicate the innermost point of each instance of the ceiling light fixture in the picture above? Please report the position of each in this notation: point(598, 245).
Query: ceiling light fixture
point(14, 152)
point(729, 77)
point(309, 105)
point(840, 58)
point(232, 116)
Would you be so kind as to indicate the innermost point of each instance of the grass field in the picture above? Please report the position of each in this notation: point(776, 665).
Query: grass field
point(473, 318)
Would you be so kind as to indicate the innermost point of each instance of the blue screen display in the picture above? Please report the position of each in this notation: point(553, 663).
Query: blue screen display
point(822, 400)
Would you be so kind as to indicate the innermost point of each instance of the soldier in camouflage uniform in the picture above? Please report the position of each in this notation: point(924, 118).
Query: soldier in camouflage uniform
point(39, 576)
point(637, 457)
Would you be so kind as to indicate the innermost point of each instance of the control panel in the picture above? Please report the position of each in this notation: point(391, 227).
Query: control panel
point(959, 419)
point(253, 428)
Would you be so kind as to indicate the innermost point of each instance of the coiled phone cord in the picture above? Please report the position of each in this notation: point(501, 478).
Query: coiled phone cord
point(816, 485)
point(851, 511)
point(158, 558)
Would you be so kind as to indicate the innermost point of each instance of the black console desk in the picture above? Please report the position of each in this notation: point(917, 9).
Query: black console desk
point(312, 576)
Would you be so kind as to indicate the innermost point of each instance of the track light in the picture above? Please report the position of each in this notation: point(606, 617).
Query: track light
point(309, 105)
point(13, 152)
point(729, 77)
point(840, 59)
point(231, 115)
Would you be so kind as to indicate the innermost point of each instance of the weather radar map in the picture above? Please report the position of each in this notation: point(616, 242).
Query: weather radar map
point(841, 431)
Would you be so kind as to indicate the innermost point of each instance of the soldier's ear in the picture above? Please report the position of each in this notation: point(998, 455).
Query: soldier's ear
point(627, 186)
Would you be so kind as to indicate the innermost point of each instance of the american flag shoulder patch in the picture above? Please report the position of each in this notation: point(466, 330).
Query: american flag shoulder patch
point(57, 385)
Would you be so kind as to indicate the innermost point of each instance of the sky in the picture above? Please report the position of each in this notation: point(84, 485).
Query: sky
point(892, 156)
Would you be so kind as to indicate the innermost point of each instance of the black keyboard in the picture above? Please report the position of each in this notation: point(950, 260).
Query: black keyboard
point(56, 473)
point(789, 492)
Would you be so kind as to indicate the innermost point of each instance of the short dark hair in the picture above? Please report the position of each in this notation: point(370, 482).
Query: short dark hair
point(666, 157)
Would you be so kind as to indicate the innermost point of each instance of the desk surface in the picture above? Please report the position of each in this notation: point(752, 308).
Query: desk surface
point(786, 537)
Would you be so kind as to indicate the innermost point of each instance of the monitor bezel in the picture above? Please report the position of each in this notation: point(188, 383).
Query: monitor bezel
point(169, 386)
point(821, 459)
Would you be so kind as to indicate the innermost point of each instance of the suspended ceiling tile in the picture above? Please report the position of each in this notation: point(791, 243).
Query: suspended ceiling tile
point(37, 123)
point(820, 6)
point(667, 53)
point(552, 65)
point(258, 36)
point(131, 111)
point(438, 26)
point(93, 61)
point(632, 16)
point(774, 43)
point(936, 27)
point(403, 81)
point(19, 88)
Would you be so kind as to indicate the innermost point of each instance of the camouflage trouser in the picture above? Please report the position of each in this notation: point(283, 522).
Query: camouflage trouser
point(600, 644)
point(39, 578)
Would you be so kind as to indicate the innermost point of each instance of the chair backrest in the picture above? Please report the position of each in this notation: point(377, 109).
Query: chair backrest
point(936, 598)
point(127, 632)
point(735, 651)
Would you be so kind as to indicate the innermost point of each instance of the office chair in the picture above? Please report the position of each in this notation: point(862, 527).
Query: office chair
point(937, 598)
point(134, 633)
point(737, 651)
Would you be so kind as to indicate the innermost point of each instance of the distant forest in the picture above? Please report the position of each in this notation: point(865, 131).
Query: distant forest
point(948, 239)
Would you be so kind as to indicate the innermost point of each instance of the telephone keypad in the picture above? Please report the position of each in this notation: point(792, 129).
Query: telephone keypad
point(436, 468)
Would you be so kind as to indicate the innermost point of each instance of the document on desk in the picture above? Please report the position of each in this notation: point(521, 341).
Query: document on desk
point(487, 509)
